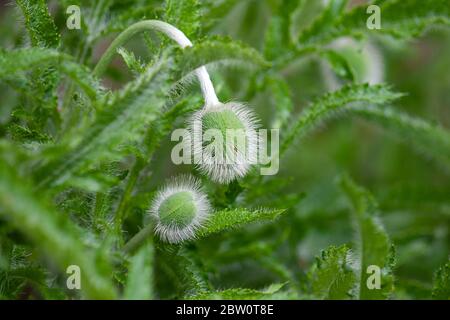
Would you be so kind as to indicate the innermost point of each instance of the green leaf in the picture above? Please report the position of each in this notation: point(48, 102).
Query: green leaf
point(122, 119)
point(223, 50)
point(332, 276)
point(282, 100)
point(229, 219)
point(357, 100)
point(16, 62)
point(441, 288)
point(133, 63)
point(25, 59)
point(213, 11)
point(326, 20)
point(43, 84)
point(49, 230)
point(404, 19)
point(185, 269)
point(423, 136)
point(399, 18)
point(140, 274)
point(269, 293)
point(330, 104)
point(19, 272)
point(278, 38)
point(339, 64)
point(133, 15)
point(94, 18)
point(373, 245)
point(432, 199)
point(183, 14)
point(273, 45)
point(41, 28)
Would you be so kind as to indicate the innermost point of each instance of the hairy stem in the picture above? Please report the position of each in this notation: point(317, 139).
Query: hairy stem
point(126, 196)
point(173, 33)
point(138, 239)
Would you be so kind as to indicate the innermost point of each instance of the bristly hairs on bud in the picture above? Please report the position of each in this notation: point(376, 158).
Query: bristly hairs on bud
point(223, 118)
point(220, 116)
point(180, 208)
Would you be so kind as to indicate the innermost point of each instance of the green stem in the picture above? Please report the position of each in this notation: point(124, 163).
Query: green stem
point(155, 25)
point(126, 196)
point(127, 34)
point(138, 239)
point(97, 216)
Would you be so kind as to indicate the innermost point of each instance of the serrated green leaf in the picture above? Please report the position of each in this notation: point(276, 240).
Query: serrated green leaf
point(220, 50)
point(122, 21)
point(43, 85)
point(331, 103)
point(332, 276)
point(184, 14)
point(133, 63)
point(278, 38)
point(234, 218)
point(402, 19)
point(327, 19)
point(25, 59)
point(41, 28)
point(373, 245)
point(123, 118)
point(423, 136)
point(15, 62)
point(242, 294)
point(339, 64)
point(140, 274)
point(184, 268)
point(50, 231)
point(441, 288)
point(282, 100)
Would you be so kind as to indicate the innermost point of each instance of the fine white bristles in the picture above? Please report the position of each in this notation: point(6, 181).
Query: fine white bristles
point(173, 232)
point(224, 166)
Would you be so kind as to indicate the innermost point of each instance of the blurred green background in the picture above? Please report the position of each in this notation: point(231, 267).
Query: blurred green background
point(413, 191)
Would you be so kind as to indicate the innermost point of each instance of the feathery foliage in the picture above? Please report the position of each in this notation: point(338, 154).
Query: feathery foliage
point(86, 143)
point(332, 276)
point(332, 103)
point(230, 219)
point(373, 245)
point(401, 19)
point(441, 289)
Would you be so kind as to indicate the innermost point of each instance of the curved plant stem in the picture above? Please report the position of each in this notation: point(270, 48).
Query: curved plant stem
point(138, 239)
point(206, 85)
point(126, 196)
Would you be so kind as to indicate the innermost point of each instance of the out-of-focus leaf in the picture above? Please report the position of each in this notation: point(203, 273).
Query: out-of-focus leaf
point(373, 245)
point(332, 276)
point(50, 231)
point(441, 289)
point(242, 294)
point(140, 274)
point(234, 218)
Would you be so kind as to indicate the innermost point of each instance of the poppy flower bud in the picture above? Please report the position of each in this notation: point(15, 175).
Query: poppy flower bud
point(224, 140)
point(179, 209)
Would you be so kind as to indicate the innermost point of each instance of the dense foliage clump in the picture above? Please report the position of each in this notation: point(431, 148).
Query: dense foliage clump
point(364, 151)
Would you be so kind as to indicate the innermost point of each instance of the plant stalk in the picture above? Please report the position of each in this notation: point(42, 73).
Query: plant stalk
point(138, 239)
point(173, 33)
